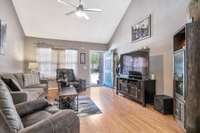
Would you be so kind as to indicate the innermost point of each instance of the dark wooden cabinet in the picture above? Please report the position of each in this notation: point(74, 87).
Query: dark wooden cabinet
point(141, 91)
point(180, 76)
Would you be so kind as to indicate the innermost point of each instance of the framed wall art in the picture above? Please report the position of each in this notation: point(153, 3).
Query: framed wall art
point(82, 58)
point(141, 30)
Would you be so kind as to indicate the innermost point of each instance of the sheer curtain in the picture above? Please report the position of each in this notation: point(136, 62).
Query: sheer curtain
point(72, 60)
point(44, 59)
point(51, 59)
point(54, 63)
point(61, 59)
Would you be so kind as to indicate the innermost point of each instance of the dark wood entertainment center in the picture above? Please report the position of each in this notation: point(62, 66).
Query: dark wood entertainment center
point(141, 91)
point(133, 81)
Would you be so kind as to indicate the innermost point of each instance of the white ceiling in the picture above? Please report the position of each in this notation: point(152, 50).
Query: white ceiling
point(46, 19)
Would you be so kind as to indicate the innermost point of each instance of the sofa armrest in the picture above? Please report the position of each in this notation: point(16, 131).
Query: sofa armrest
point(43, 81)
point(80, 80)
point(62, 122)
point(19, 97)
point(4, 124)
point(31, 106)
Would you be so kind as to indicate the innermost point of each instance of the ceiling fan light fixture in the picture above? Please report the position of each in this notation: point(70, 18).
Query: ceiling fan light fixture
point(79, 11)
point(81, 14)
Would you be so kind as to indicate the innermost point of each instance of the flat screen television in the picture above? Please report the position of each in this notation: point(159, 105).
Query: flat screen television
point(135, 62)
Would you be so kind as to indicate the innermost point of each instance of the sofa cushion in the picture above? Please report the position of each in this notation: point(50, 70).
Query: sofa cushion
point(12, 84)
point(30, 107)
point(35, 93)
point(38, 86)
point(10, 76)
point(34, 118)
point(20, 78)
point(8, 108)
point(31, 79)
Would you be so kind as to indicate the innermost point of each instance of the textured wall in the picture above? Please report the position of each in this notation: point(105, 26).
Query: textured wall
point(83, 70)
point(13, 59)
point(167, 17)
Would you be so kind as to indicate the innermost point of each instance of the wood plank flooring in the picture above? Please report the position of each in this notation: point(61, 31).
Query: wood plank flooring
point(121, 115)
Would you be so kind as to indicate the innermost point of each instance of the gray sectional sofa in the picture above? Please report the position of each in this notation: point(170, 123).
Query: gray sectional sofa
point(34, 116)
point(27, 92)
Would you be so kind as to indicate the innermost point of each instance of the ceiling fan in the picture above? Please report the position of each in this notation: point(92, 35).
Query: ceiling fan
point(80, 10)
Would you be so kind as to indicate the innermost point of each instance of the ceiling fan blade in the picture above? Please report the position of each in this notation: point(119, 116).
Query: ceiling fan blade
point(86, 16)
point(69, 13)
point(66, 3)
point(93, 10)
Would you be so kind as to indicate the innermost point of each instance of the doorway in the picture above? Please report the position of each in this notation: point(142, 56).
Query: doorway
point(96, 67)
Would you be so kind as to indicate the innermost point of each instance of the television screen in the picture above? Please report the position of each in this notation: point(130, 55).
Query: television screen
point(137, 64)
point(134, 62)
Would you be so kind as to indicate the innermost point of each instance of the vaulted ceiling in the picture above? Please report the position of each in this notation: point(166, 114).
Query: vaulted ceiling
point(46, 19)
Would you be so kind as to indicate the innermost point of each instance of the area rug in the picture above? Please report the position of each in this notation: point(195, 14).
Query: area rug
point(87, 107)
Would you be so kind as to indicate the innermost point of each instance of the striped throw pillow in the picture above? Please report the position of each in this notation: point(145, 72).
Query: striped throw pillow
point(31, 79)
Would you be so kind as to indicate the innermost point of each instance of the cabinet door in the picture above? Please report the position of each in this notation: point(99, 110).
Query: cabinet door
point(180, 111)
point(133, 87)
point(139, 94)
point(133, 91)
point(123, 88)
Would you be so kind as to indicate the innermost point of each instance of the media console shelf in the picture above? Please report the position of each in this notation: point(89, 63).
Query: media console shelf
point(141, 91)
point(133, 78)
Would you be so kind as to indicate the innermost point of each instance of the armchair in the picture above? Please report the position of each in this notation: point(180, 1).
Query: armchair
point(66, 77)
point(36, 119)
point(64, 121)
point(33, 116)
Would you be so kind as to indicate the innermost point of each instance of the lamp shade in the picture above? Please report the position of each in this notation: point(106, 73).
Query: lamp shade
point(32, 65)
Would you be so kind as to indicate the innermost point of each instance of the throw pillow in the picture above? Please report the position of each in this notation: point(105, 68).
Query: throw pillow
point(8, 108)
point(20, 78)
point(12, 84)
point(31, 79)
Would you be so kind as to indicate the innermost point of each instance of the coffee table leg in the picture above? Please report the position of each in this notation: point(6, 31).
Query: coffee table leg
point(59, 102)
point(77, 103)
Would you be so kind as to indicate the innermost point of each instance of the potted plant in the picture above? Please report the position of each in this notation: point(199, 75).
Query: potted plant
point(194, 9)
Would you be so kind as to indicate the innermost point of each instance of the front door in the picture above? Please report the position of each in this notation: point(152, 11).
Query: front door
point(108, 69)
point(96, 68)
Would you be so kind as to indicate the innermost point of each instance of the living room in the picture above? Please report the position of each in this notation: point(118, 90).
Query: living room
point(86, 66)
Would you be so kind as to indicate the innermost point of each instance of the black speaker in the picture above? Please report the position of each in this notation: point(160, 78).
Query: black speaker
point(163, 104)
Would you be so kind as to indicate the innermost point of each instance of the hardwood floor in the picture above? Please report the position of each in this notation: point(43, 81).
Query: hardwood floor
point(121, 115)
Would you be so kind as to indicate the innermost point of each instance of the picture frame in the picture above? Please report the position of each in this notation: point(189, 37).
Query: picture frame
point(3, 32)
point(82, 58)
point(141, 30)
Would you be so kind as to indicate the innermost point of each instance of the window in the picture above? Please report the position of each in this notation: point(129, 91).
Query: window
point(61, 59)
point(44, 59)
point(51, 59)
point(71, 57)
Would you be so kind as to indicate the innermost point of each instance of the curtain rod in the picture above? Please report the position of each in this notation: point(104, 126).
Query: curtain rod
point(46, 45)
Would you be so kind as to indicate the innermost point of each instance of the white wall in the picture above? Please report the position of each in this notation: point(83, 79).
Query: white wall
point(167, 17)
point(82, 47)
point(12, 61)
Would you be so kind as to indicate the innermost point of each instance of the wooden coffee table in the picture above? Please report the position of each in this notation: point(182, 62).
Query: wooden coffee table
point(69, 96)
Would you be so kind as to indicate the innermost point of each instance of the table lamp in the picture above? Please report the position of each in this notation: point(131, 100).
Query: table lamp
point(33, 66)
